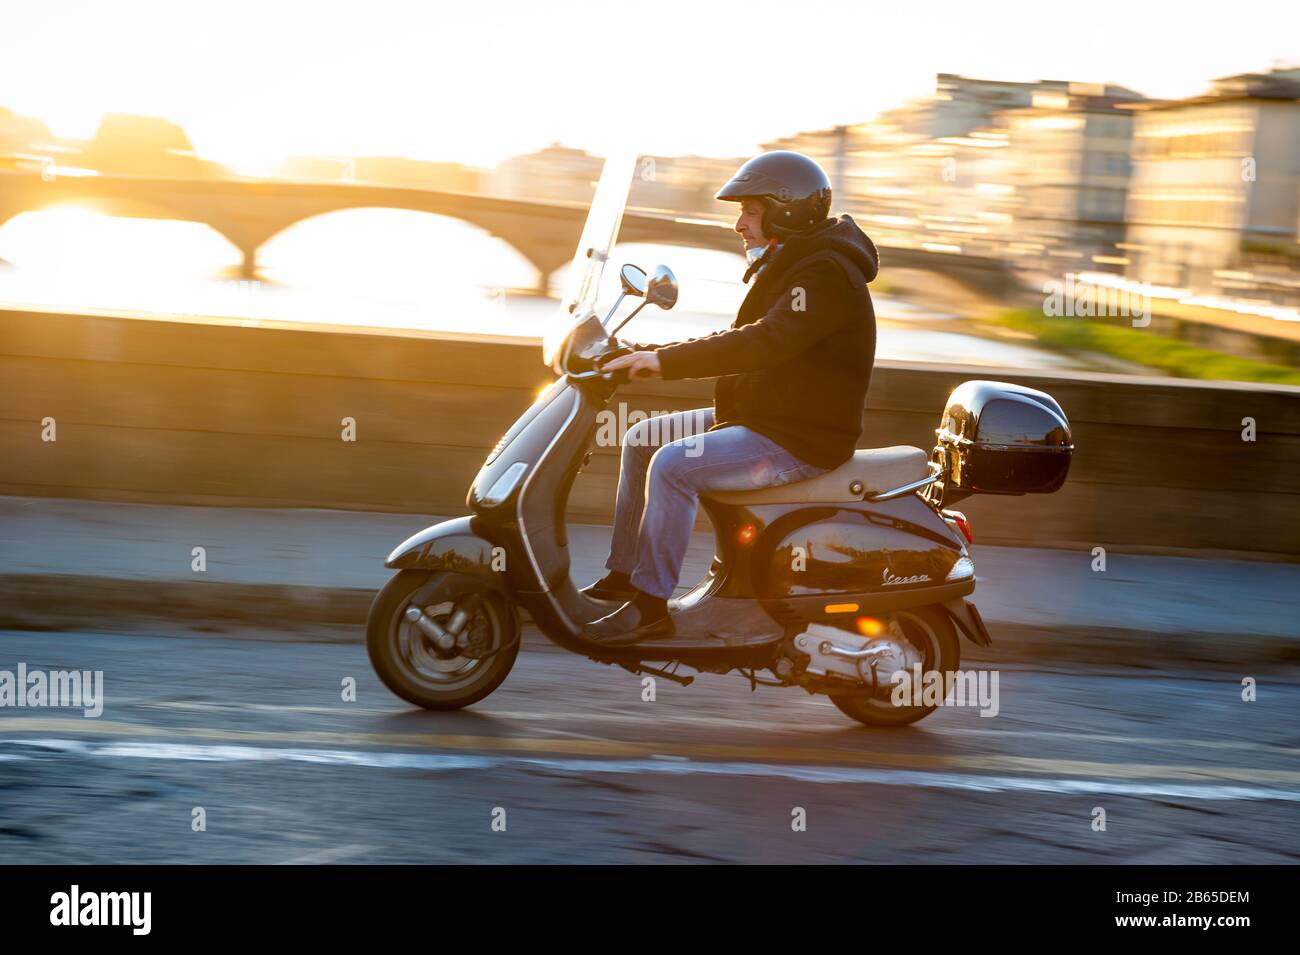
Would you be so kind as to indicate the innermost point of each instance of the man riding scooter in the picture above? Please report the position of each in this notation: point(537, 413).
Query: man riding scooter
point(792, 373)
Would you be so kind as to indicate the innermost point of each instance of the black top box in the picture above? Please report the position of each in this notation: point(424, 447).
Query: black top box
point(1000, 438)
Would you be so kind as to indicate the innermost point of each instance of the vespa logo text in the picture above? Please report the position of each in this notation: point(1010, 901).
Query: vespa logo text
point(890, 580)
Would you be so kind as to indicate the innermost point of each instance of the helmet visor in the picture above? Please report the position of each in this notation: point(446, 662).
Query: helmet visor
point(752, 185)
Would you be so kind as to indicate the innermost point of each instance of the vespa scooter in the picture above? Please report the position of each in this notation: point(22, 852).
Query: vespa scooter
point(831, 584)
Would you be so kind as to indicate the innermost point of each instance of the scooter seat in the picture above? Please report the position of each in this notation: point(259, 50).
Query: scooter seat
point(875, 469)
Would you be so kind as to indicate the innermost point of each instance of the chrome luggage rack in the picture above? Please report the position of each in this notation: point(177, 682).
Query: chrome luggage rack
point(935, 471)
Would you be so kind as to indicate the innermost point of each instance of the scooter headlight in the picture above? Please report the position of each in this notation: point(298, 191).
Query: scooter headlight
point(505, 485)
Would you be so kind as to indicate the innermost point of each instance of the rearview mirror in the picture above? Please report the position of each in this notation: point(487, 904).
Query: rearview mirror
point(661, 290)
point(634, 280)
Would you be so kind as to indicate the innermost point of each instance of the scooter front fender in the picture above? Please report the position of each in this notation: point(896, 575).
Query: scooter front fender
point(455, 546)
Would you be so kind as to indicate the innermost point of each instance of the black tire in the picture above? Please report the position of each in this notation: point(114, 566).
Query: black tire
point(931, 631)
point(412, 667)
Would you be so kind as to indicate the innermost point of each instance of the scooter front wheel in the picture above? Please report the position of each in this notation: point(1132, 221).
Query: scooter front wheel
point(410, 661)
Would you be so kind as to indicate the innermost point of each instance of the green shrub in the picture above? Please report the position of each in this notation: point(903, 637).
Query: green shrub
point(1144, 348)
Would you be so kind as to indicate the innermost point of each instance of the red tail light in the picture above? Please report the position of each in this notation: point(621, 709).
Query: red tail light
point(963, 525)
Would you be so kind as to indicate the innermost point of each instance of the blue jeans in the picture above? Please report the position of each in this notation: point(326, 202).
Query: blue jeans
point(667, 461)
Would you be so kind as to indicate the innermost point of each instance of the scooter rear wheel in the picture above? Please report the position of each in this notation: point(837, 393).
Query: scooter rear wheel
point(410, 663)
point(931, 632)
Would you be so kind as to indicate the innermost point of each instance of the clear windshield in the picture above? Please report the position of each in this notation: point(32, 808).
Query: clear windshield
point(593, 250)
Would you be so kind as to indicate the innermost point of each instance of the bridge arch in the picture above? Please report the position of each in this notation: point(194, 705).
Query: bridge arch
point(405, 236)
point(99, 235)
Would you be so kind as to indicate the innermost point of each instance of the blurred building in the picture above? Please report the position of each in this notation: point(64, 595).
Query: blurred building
point(556, 172)
point(960, 104)
point(682, 185)
point(949, 194)
point(397, 171)
point(27, 145)
point(1213, 204)
point(1070, 177)
point(954, 171)
point(970, 207)
point(145, 146)
point(19, 133)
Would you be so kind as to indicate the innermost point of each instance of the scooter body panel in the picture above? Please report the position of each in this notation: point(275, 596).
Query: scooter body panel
point(800, 549)
point(778, 566)
point(831, 563)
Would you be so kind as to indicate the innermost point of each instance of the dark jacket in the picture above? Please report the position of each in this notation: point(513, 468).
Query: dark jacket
point(795, 364)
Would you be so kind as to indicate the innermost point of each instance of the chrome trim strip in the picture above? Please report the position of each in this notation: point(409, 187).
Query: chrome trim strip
point(935, 471)
point(532, 473)
point(945, 435)
point(1036, 448)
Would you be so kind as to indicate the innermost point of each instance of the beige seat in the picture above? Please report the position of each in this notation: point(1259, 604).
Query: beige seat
point(875, 469)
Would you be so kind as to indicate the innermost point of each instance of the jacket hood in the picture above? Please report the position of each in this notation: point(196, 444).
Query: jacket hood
point(837, 234)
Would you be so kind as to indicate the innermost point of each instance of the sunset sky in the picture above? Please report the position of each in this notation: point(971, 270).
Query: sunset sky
point(252, 82)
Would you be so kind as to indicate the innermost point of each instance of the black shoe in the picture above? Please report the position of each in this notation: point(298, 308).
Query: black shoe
point(628, 625)
point(612, 588)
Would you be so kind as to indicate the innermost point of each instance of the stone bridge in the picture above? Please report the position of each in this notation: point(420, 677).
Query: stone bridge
point(248, 213)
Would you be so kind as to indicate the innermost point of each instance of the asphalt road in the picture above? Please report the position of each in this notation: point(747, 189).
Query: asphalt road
point(581, 769)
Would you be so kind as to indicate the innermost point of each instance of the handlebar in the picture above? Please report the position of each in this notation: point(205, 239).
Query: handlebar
point(619, 377)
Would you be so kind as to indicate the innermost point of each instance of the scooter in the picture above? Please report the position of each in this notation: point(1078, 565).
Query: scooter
point(833, 584)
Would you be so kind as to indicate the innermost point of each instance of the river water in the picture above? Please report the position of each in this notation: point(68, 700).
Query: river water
point(393, 269)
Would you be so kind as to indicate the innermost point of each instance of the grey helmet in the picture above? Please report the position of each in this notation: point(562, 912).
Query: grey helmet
point(796, 191)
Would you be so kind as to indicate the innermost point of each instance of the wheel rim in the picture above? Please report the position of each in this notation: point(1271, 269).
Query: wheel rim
point(436, 669)
point(922, 640)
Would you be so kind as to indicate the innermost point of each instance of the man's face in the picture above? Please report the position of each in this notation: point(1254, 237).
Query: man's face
point(750, 223)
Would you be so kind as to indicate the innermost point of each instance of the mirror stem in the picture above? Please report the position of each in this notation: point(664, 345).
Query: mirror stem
point(626, 320)
point(614, 308)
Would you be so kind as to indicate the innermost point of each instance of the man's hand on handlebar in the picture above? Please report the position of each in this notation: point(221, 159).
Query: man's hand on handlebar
point(640, 364)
